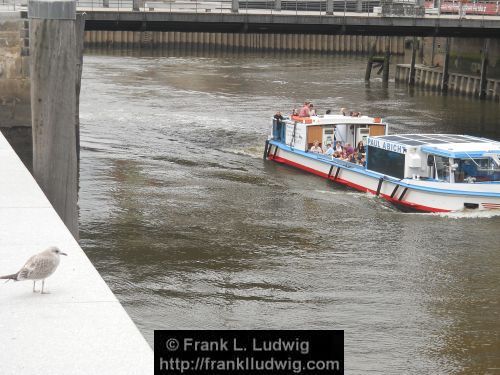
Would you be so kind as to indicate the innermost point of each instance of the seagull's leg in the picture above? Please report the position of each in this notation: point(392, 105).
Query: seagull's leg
point(42, 292)
point(34, 286)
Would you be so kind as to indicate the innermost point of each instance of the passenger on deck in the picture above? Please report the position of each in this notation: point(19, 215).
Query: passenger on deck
point(295, 112)
point(278, 128)
point(343, 111)
point(278, 117)
point(344, 156)
point(360, 148)
point(328, 111)
point(338, 147)
point(312, 111)
point(329, 151)
point(349, 150)
point(304, 111)
point(316, 148)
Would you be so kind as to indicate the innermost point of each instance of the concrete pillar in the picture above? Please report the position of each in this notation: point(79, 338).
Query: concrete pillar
point(446, 65)
point(277, 5)
point(484, 66)
point(329, 7)
point(235, 6)
point(105, 3)
point(54, 73)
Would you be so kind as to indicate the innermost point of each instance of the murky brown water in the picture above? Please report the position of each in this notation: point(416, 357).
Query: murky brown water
point(192, 229)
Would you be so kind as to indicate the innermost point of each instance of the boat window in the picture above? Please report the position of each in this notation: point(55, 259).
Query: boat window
point(476, 170)
point(387, 162)
point(442, 168)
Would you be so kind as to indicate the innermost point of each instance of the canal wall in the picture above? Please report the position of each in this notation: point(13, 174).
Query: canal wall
point(80, 327)
point(15, 103)
point(237, 42)
point(461, 84)
point(465, 55)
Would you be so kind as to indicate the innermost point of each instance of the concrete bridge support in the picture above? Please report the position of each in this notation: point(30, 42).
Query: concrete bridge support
point(54, 75)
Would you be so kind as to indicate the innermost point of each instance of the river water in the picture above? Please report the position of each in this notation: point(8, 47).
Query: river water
point(192, 229)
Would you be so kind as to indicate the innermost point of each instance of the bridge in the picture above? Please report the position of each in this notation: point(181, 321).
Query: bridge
point(292, 22)
point(327, 17)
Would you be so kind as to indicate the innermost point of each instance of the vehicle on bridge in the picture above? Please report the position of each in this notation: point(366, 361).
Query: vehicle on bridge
point(486, 8)
point(416, 172)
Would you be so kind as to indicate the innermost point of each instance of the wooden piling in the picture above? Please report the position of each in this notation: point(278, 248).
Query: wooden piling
point(385, 75)
point(411, 80)
point(53, 104)
point(446, 65)
point(369, 64)
point(484, 67)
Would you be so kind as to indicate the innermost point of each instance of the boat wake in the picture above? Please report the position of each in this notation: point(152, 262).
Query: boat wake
point(468, 214)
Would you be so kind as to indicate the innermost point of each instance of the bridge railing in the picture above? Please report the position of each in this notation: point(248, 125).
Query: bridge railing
point(433, 8)
point(9, 5)
point(248, 6)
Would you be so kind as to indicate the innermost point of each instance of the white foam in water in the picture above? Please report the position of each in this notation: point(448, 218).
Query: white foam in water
point(469, 214)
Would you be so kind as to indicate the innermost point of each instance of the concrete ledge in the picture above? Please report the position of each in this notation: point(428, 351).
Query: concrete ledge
point(80, 328)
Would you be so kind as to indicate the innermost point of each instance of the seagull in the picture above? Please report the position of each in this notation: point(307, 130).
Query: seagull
point(38, 267)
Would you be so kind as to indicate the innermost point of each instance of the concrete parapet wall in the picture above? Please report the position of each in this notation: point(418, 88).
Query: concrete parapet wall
point(80, 327)
point(460, 84)
point(15, 103)
point(310, 43)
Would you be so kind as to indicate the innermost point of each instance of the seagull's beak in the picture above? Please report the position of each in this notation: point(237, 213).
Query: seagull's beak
point(63, 254)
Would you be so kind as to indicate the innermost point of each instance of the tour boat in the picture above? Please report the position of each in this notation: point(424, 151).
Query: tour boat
point(417, 172)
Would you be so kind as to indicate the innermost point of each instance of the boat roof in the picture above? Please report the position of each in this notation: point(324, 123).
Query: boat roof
point(341, 119)
point(448, 145)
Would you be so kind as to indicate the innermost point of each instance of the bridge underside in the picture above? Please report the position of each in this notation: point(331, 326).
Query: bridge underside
point(291, 24)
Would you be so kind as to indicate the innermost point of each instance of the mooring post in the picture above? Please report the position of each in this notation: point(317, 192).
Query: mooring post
point(446, 64)
point(411, 80)
point(483, 83)
point(53, 50)
point(329, 7)
point(235, 6)
point(369, 64)
point(387, 60)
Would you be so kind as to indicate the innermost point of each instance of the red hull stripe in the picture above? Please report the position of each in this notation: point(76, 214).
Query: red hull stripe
point(414, 206)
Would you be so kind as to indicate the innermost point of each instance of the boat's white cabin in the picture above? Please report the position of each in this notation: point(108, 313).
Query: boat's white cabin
point(301, 132)
point(440, 157)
